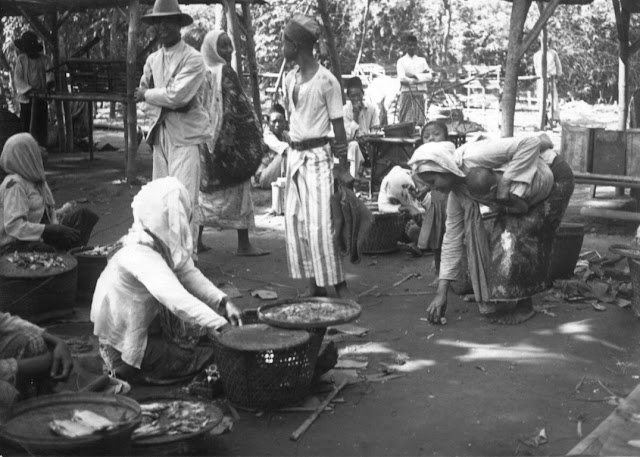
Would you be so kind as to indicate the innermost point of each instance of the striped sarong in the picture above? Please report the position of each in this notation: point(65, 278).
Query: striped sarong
point(308, 229)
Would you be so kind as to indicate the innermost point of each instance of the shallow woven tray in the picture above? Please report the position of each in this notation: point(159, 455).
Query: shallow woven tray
point(354, 311)
point(215, 415)
point(28, 424)
point(10, 270)
point(261, 337)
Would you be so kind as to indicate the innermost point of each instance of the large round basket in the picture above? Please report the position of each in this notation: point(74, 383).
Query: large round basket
point(566, 250)
point(385, 232)
point(27, 428)
point(264, 367)
point(40, 294)
point(89, 270)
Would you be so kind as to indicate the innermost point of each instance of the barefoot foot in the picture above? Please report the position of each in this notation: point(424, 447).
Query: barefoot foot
point(250, 251)
point(521, 313)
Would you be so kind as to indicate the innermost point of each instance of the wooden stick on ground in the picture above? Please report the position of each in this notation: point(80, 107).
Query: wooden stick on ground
point(306, 424)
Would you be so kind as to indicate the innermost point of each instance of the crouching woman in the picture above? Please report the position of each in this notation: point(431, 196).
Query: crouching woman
point(152, 308)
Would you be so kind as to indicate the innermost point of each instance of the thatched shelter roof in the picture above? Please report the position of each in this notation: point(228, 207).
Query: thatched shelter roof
point(38, 7)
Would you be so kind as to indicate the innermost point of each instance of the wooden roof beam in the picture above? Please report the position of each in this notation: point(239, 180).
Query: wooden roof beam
point(546, 13)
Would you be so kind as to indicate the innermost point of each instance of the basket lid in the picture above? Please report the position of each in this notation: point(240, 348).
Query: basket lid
point(28, 424)
point(310, 312)
point(626, 251)
point(9, 269)
point(260, 337)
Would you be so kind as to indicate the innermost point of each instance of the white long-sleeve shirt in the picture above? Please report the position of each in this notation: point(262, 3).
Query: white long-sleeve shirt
point(135, 283)
point(554, 67)
point(409, 66)
point(30, 74)
point(175, 94)
point(21, 210)
point(367, 122)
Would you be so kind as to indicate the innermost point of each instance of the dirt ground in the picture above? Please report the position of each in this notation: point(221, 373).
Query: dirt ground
point(471, 387)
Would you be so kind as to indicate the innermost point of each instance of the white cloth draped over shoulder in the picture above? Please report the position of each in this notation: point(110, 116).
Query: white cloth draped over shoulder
point(153, 268)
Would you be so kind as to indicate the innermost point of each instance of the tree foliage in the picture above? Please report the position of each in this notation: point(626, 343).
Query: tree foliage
point(451, 32)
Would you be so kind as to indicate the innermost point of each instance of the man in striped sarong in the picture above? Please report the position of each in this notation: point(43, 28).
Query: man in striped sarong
point(314, 102)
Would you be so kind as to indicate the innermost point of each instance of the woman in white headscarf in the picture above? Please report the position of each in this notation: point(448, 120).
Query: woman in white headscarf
point(27, 207)
point(151, 275)
point(508, 256)
point(235, 152)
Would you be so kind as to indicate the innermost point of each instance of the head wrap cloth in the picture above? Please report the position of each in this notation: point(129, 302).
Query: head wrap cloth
point(161, 215)
point(435, 158)
point(21, 156)
point(302, 29)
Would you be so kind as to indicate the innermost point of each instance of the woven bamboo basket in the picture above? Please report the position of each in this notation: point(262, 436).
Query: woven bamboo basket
point(89, 270)
point(38, 295)
point(264, 367)
point(385, 232)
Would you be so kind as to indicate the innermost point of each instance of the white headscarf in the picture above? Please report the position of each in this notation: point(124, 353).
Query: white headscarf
point(21, 156)
point(214, 63)
point(435, 157)
point(161, 214)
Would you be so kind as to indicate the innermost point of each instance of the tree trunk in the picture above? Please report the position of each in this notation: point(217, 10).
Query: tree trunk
point(623, 18)
point(519, 11)
point(365, 22)
point(55, 60)
point(251, 58)
point(543, 69)
point(331, 42)
point(132, 121)
point(447, 31)
point(113, 51)
point(234, 32)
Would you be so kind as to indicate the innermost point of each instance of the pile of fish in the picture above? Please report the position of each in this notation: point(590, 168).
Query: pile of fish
point(99, 250)
point(309, 312)
point(36, 260)
point(171, 418)
point(82, 423)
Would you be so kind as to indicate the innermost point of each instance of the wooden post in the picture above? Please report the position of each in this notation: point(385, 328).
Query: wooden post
point(623, 18)
point(331, 42)
point(251, 58)
point(234, 31)
point(132, 119)
point(519, 11)
point(60, 88)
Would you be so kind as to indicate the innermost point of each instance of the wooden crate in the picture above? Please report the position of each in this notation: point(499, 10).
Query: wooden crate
point(577, 147)
point(633, 152)
point(609, 152)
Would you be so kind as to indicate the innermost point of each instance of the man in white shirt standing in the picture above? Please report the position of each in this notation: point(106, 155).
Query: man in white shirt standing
point(171, 86)
point(360, 119)
point(413, 73)
point(554, 71)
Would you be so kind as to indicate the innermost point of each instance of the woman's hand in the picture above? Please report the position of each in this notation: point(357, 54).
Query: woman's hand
point(234, 314)
point(438, 306)
point(62, 362)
